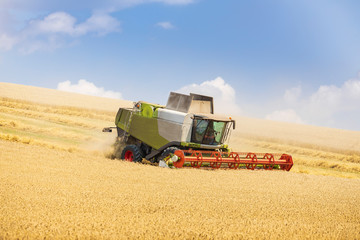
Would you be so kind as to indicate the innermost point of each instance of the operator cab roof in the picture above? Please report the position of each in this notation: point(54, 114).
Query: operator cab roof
point(213, 117)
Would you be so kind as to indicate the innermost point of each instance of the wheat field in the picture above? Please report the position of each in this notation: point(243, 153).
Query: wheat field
point(55, 181)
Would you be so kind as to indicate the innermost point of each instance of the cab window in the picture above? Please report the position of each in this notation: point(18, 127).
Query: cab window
point(207, 131)
point(199, 129)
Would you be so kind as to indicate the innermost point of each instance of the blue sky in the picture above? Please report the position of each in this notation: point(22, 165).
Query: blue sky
point(296, 61)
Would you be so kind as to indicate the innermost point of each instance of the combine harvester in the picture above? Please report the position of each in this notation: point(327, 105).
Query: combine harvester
point(185, 132)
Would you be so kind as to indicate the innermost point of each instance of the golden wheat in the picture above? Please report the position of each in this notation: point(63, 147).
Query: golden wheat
point(59, 98)
point(55, 118)
point(56, 183)
point(63, 110)
point(309, 158)
point(32, 141)
point(52, 126)
point(61, 132)
point(306, 136)
point(56, 194)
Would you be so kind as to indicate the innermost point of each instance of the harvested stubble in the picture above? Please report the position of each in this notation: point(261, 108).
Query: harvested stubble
point(50, 125)
point(59, 98)
point(56, 194)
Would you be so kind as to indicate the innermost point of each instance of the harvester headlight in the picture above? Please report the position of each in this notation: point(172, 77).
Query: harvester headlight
point(174, 158)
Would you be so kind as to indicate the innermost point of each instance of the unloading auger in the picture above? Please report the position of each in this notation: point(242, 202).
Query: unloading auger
point(185, 132)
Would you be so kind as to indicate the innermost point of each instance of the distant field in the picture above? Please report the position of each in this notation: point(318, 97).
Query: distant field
point(315, 150)
point(59, 98)
point(72, 121)
point(56, 183)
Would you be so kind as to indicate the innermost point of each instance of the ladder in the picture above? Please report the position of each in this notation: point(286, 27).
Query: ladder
point(128, 124)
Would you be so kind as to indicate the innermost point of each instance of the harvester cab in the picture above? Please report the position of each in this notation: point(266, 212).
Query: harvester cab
point(185, 131)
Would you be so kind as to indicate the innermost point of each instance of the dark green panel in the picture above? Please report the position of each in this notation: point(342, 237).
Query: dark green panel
point(118, 115)
point(122, 117)
point(146, 130)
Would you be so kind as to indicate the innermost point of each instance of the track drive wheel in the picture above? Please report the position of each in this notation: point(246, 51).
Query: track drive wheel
point(169, 152)
point(131, 153)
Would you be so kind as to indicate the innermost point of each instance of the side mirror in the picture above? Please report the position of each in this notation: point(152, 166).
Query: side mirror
point(233, 121)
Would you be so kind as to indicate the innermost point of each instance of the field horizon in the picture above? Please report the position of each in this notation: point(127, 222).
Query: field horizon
point(56, 181)
point(315, 150)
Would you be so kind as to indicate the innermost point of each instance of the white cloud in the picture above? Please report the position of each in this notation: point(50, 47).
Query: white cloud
point(87, 88)
point(100, 23)
point(292, 95)
point(329, 105)
point(224, 95)
point(56, 30)
point(60, 28)
point(352, 87)
point(287, 115)
point(332, 99)
point(329, 96)
point(61, 22)
point(57, 22)
point(7, 42)
point(165, 25)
